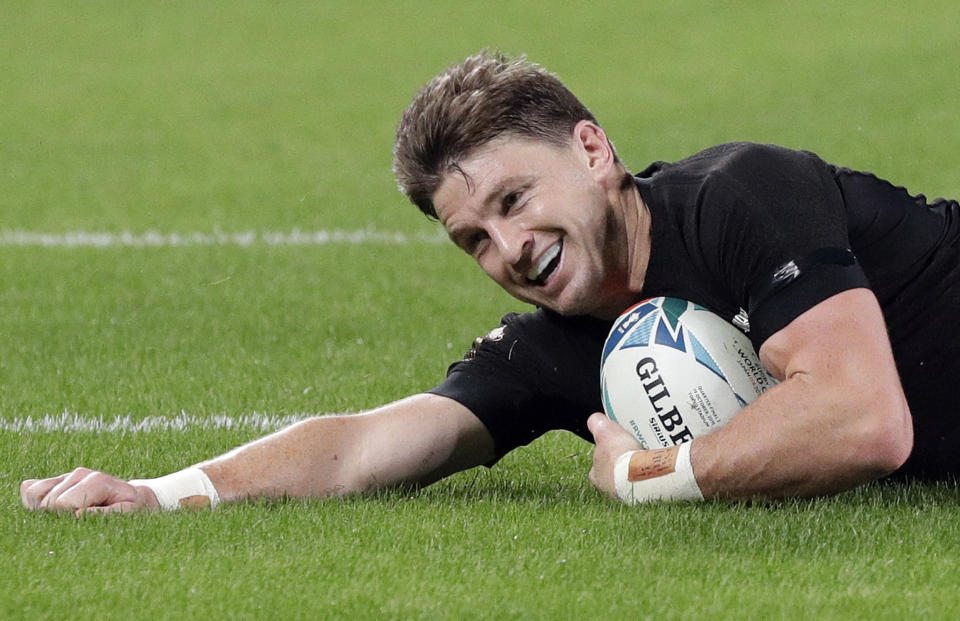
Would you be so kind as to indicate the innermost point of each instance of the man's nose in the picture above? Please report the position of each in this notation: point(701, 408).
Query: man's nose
point(512, 241)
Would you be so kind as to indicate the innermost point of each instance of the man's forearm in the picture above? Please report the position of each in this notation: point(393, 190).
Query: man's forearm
point(310, 458)
point(794, 442)
point(303, 460)
point(413, 441)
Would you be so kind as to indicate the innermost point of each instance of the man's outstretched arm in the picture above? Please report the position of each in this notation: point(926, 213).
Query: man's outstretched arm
point(837, 419)
point(414, 441)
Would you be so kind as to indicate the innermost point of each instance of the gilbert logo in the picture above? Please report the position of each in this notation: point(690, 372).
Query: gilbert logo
point(666, 411)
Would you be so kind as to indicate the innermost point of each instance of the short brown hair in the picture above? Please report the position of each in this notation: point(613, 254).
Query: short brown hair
point(470, 104)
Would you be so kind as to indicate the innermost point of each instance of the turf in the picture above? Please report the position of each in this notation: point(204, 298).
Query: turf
point(249, 117)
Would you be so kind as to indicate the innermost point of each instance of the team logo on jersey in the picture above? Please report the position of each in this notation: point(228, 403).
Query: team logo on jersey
point(493, 336)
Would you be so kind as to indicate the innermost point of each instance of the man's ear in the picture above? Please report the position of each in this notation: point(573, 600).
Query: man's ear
point(598, 154)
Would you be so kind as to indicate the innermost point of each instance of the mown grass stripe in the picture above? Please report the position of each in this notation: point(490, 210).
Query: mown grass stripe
point(74, 422)
point(156, 239)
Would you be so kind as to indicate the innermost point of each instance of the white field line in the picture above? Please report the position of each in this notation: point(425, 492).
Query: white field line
point(73, 422)
point(156, 239)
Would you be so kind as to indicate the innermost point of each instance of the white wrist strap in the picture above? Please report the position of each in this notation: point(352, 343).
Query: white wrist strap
point(661, 481)
point(190, 488)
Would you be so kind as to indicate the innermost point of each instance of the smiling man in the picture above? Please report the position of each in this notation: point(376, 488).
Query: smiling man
point(547, 229)
point(832, 273)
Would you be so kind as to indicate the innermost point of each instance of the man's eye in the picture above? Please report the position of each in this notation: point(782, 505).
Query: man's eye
point(474, 241)
point(510, 200)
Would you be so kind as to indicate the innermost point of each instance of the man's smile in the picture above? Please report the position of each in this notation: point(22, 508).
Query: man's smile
point(547, 264)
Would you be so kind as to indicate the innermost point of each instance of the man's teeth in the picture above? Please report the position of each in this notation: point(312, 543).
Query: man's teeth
point(537, 270)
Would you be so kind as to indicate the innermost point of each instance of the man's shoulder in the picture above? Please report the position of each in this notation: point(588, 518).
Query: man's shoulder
point(545, 325)
point(725, 160)
point(543, 331)
point(544, 322)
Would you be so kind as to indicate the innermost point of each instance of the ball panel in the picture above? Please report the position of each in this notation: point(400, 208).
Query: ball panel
point(670, 334)
point(703, 356)
point(628, 319)
point(733, 353)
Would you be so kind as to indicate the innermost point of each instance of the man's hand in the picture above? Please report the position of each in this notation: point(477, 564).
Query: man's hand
point(612, 442)
point(85, 491)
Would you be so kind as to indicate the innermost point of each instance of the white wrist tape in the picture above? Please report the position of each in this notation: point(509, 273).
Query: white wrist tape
point(658, 480)
point(189, 488)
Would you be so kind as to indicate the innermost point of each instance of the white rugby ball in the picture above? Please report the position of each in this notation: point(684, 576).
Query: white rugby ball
point(672, 371)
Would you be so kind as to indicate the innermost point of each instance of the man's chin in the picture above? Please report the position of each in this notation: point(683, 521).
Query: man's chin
point(574, 308)
point(550, 306)
point(578, 306)
point(589, 307)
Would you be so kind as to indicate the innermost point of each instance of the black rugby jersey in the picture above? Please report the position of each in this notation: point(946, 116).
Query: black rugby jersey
point(758, 234)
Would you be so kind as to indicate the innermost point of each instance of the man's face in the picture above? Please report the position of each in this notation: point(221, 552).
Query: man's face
point(540, 221)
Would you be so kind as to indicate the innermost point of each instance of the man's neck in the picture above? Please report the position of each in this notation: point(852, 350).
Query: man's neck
point(638, 237)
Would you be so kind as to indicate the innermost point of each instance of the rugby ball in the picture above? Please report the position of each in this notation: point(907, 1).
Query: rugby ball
point(672, 371)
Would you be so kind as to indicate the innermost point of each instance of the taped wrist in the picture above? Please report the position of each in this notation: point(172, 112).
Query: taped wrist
point(662, 474)
point(190, 488)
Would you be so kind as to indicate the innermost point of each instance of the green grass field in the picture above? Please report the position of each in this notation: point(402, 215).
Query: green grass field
point(244, 118)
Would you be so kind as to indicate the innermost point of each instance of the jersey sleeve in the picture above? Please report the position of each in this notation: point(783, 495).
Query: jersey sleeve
point(773, 226)
point(534, 373)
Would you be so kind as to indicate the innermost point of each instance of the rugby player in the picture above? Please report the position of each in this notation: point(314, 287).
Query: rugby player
point(847, 285)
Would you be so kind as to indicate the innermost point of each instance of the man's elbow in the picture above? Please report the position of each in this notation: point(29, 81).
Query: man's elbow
point(887, 439)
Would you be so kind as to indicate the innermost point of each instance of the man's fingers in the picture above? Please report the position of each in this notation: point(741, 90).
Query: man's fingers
point(33, 491)
point(595, 422)
point(91, 491)
point(612, 441)
point(79, 489)
point(51, 500)
point(600, 425)
point(84, 491)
